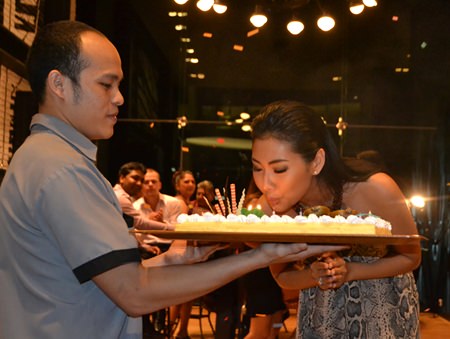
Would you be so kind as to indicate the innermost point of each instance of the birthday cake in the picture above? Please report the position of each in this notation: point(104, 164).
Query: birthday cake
point(361, 224)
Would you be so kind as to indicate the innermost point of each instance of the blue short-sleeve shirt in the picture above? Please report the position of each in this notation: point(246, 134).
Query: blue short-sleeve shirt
point(60, 225)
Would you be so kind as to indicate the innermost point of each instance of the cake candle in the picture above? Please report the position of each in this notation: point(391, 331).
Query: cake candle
point(222, 205)
point(218, 209)
point(241, 202)
point(233, 198)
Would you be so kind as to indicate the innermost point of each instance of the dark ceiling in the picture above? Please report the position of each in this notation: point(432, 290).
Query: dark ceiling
point(386, 110)
point(275, 60)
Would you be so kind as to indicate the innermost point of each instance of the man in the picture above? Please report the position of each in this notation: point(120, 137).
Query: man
point(68, 266)
point(154, 204)
point(128, 187)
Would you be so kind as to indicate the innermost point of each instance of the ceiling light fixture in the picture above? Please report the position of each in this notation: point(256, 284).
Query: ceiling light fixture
point(295, 27)
point(181, 2)
point(356, 7)
point(219, 7)
point(370, 3)
point(258, 18)
point(205, 5)
point(326, 23)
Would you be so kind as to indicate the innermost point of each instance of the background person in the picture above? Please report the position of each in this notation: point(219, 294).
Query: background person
point(204, 198)
point(129, 185)
point(364, 292)
point(184, 184)
point(157, 206)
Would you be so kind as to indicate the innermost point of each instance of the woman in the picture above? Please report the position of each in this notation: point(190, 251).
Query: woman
point(363, 292)
point(184, 184)
point(205, 196)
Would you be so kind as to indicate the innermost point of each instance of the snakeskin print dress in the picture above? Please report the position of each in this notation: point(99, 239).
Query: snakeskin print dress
point(365, 309)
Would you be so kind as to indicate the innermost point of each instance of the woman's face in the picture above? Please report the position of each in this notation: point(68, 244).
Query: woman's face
point(281, 175)
point(186, 186)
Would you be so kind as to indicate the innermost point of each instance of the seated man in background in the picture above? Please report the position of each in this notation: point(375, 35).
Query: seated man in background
point(157, 206)
point(131, 176)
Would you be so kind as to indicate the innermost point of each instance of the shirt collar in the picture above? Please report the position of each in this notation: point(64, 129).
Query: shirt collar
point(66, 132)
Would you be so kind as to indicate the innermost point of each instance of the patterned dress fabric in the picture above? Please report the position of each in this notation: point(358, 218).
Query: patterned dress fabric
point(364, 309)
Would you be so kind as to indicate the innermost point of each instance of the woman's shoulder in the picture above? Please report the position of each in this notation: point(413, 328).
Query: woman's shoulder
point(378, 187)
point(379, 181)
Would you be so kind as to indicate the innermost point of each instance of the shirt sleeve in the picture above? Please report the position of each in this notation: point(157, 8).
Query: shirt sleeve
point(140, 221)
point(78, 209)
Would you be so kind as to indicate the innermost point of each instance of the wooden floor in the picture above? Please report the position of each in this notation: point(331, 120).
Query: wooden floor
point(431, 327)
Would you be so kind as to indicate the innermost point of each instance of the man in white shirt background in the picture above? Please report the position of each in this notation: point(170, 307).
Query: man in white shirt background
point(157, 206)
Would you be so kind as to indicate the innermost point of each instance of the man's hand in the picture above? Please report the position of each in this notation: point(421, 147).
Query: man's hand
point(184, 252)
point(157, 216)
point(281, 253)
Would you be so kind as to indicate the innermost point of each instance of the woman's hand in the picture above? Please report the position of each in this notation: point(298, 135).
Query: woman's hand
point(329, 270)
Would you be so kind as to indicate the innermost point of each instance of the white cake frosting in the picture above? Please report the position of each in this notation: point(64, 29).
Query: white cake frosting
point(333, 225)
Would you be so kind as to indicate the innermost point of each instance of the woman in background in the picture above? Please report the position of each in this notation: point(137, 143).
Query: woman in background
point(184, 184)
point(364, 292)
point(205, 198)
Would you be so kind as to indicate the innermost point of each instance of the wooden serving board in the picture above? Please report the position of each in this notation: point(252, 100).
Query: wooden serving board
point(285, 237)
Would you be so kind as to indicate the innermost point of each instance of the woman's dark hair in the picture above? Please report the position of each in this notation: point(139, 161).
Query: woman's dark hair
point(306, 132)
point(56, 47)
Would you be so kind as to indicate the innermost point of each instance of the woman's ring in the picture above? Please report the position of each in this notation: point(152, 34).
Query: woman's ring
point(320, 281)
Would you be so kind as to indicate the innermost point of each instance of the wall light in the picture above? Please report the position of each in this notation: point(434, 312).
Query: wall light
point(325, 23)
point(417, 201)
point(258, 18)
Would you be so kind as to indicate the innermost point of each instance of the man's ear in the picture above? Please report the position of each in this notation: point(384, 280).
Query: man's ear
point(56, 82)
point(318, 162)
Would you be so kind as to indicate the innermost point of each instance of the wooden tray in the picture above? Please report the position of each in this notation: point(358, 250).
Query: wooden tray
point(285, 237)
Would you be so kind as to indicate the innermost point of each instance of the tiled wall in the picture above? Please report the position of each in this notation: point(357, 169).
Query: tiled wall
point(20, 18)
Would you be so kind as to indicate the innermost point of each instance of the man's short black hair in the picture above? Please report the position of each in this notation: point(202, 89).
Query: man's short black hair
point(56, 46)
